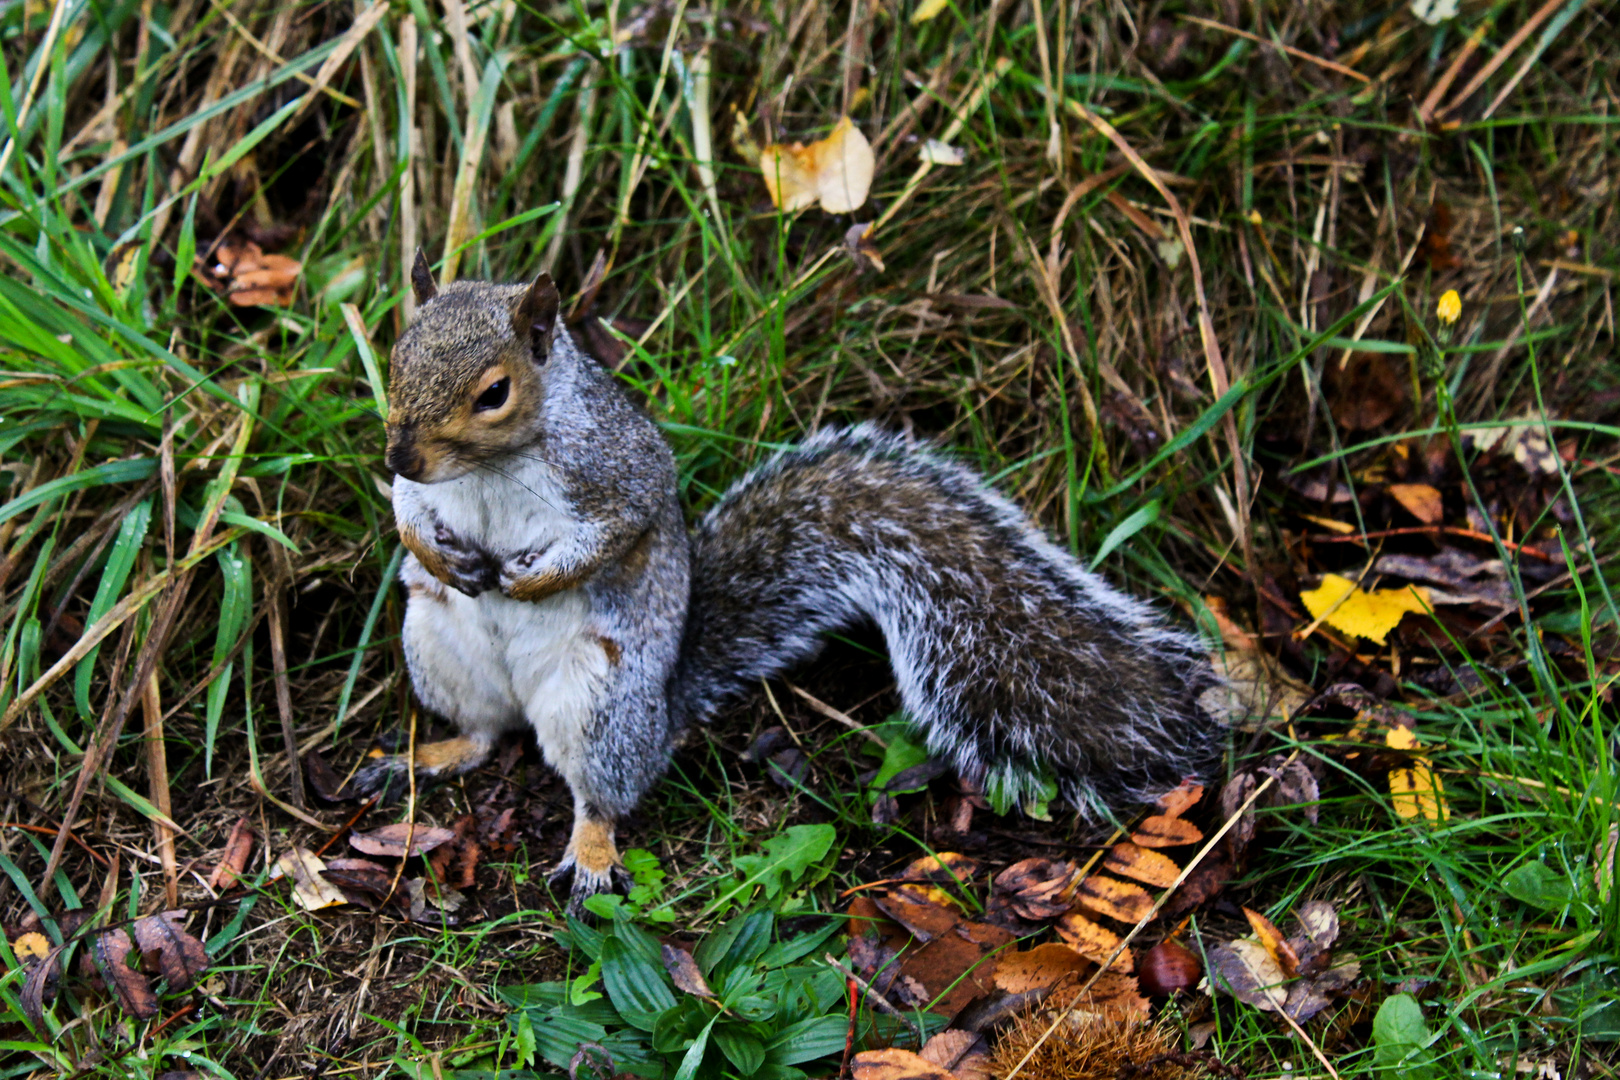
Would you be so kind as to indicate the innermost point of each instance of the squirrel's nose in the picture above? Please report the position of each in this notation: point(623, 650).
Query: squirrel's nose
point(403, 458)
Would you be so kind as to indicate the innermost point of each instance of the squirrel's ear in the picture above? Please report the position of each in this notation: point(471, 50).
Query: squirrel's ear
point(535, 319)
point(422, 279)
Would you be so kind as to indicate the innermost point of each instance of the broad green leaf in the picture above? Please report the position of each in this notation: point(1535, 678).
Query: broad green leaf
point(1400, 1038)
point(741, 1049)
point(785, 859)
point(817, 1037)
point(637, 988)
point(739, 941)
point(1540, 886)
point(694, 1056)
point(795, 948)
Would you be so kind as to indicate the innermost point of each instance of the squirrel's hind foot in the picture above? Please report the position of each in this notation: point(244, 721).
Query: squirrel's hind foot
point(592, 859)
point(388, 775)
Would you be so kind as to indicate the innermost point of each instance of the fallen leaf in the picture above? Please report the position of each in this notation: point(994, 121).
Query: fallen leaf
point(1308, 997)
point(323, 779)
point(248, 276)
point(953, 971)
point(39, 986)
point(1038, 889)
point(1319, 928)
point(455, 864)
point(181, 957)
point(1142, 864)
point(391, 839)
point(858, 241)
point(421, 893)
point(1116, 899)
point(1420, 500)
point(1160, 831)
point(835, 171)
point(234, 861)
point(945, 868)
point(1233, 797)
point(928, 9)
point(941, 153)
point(926, 921)
point(1167, 967)
point(683, 971)
point(1042, 967)
point(1092, 940)
point(1371, 615)
point(949, 1047)
point(312, 891)
point(1205, 883)
point(1266, 932)
point(31, 946)
point(1182, 798)
point(895, 1064)
point(110, 951)
point(1247, 971)
point(1418, 793)
point(1296, 786)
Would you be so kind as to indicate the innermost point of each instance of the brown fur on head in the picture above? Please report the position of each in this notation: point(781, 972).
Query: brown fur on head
point(465, 377)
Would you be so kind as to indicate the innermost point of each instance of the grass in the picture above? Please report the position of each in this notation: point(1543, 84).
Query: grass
point(193, 489)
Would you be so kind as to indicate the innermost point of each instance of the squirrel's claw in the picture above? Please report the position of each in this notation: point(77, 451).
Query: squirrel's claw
point(587, 884)
point(386, 776)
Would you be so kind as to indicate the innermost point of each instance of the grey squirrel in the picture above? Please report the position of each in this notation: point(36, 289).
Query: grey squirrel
point(553, 585)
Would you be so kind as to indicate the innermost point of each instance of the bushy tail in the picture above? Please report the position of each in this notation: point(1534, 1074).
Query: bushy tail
point(1013, 660)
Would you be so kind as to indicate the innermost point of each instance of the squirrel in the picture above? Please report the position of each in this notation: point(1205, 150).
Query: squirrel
point(553, 584)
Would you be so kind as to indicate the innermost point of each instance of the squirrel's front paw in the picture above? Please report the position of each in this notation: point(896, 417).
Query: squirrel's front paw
point(468, 569)
point(524, 576)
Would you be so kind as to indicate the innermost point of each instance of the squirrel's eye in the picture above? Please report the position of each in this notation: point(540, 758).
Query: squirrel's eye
point(494, 397)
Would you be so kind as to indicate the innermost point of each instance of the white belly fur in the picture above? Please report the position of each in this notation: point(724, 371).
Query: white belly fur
point(546, 657)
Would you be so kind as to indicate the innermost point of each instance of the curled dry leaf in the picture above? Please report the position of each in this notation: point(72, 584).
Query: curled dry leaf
point(1271, 939)
point(1244, 969)
point(1142, 864)
point(181, 957)
point(1092, 940)
point(683, 971)
point(1307, 997)
point(1038, 888)
point(1319, 929)
point(1167, 967)
point(1116, 899)
point(949, 1047)
point(248, 276)
point(391, 839)
point(234, 861)
point(1160, 831)
point(312, 891)
point(110, 951)
point(835, 171)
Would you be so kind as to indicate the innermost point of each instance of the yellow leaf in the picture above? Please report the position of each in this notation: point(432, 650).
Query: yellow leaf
point(927, 10)
point(836, 171)
point(1414, 789)
point(1417, 793)
point(1370, 615)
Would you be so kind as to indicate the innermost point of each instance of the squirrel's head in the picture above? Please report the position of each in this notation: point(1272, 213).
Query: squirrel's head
point(465, 377)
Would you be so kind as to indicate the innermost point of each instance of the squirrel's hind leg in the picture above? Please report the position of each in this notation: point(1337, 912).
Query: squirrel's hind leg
point(456, 669)
point(592, 859)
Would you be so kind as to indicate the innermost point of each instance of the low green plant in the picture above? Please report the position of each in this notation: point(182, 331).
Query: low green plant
point(747, 1002)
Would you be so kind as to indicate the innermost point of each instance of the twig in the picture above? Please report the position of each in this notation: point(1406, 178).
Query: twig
point(278, 664)
point(1299, 54)
point(1430, 530)
point(874, 997)
point(1542, 14)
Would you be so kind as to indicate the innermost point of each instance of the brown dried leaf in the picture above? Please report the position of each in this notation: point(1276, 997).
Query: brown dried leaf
point(1167, 967)
point(1296, 786)
point(1040, 968)
point(391, 839)
point(1038, 888)
point(1247, 971)
point(1204, 883)
point(110, 950)
point(234, 861)
point(1160, 831)
point(1307, 997)
point(683, 971)
point(896, 1065)
point(39, 986)
point(1266, 932)
point(949, 1047)
point(1183, 798)
point(181, 957)
point(1142, 864)
point(1116, 899)
point(925, 921)
point(1092, 941)
point(1234, 795)
point(1420, 500)
point(952, 966)
point(1319, 929)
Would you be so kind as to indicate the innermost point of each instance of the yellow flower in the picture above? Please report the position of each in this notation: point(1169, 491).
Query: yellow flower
point(1449, 307)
